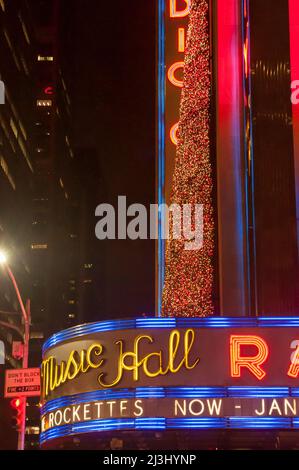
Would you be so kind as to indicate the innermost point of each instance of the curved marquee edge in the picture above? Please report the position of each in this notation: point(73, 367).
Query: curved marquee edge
point(164, 424)
point(170, 392)
point(140, 323)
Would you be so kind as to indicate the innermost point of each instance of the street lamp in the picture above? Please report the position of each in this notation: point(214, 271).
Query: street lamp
point(3, 257)
point(26, 317)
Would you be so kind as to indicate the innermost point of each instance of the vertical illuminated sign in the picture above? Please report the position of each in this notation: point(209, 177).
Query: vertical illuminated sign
point(294, 53)
point(172, 32)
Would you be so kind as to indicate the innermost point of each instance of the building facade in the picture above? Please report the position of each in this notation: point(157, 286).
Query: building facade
point(253, 152)
point(17, 173)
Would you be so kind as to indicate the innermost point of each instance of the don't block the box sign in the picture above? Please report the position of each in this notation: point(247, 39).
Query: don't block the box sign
point(170, 374)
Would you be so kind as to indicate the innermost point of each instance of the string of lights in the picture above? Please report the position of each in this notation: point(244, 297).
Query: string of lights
point(189, 273)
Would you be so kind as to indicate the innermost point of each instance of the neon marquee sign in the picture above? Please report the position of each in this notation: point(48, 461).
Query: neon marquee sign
point(171, 373)
point(80, 362)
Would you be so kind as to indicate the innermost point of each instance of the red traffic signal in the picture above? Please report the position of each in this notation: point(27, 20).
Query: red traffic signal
point(18, 405)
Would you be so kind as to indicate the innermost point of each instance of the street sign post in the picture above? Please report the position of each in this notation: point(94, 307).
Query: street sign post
point(22, 383)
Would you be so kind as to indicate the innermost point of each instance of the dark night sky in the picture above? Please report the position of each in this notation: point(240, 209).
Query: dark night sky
point(113, 50)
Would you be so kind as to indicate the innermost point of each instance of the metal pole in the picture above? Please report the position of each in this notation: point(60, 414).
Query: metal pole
point(21, 439)
point(26, 317)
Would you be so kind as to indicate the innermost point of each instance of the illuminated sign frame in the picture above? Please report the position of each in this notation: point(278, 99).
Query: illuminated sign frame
point(172, 34)
point(74, 412)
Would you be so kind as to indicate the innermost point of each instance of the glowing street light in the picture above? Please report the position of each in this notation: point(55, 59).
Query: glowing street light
point(3, 257)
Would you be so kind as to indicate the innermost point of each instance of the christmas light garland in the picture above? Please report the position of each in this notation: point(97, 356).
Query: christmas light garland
point(189, 274)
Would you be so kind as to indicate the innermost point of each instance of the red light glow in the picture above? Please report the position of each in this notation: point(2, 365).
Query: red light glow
point(49, 90)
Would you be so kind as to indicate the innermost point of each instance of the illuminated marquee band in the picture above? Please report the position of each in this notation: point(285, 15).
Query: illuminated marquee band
point(170, 374)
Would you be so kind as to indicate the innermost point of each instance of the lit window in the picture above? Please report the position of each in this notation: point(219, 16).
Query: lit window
point(13, 108)
point(44, 103)
point(71, 315)
point(23, 130)
point(4, 167)
point(66, 195)
point(71, 302)
point(2, 4)
point(25, 153)
point(25, 66)
point(87, 281)
point(7, 134)
point(88, 266)
point(8, 40)
point(36, 246)
point(43, 58)
point(12, 50)
point(33, 430)
point(25, 32)
point(14, 127)
point(61, 182)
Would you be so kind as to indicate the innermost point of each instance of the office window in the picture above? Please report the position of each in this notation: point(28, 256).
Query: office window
point(36, 246)
point(23, 130)
point(42, 58)
point(5, 130)
point(45, 103)
point(26, 70)
point(12, 50)
point(5, 169)
point(24, 29)
point(25, 153)
point(14, 128)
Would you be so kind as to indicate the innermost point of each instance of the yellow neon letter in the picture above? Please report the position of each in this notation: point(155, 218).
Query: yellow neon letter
point(181, 39)
point(171, 74)
point(174, 133)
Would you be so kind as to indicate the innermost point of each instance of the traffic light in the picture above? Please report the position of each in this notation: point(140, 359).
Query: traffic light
point(18, 405)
